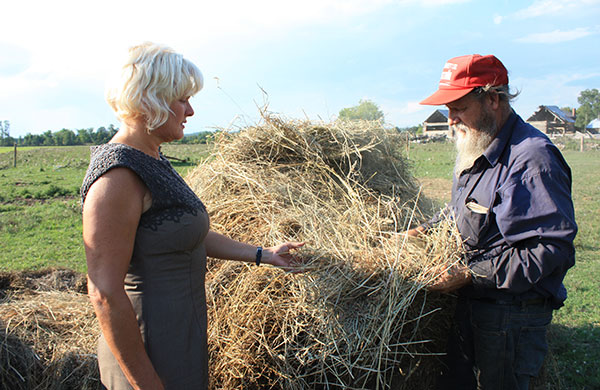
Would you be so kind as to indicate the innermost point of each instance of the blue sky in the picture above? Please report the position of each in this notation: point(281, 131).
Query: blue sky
point(312, 57)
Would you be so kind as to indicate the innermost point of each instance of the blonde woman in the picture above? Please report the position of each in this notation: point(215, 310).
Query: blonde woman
point(147, 235)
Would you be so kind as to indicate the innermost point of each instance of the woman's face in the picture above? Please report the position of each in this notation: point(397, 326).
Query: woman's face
point(172, 129)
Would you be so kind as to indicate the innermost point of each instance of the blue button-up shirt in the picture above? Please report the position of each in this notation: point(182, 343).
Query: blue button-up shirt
point(514, 210)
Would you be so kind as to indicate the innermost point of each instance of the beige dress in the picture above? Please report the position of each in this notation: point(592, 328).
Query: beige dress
point(165, 280)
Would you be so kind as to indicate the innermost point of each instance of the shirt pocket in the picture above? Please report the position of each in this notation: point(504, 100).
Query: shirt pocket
point(473, 222)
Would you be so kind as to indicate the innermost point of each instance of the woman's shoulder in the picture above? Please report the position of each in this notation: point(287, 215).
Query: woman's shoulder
point(106, 157)
point(116, 153)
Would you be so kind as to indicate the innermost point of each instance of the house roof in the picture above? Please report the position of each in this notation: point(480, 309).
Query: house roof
point(443, 112)
point(560, 113)
point(438, 116)
point(595, 124)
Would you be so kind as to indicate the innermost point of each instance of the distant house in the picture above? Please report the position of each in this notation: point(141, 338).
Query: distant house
point(552, 120)
point(594, 126)
point(436, 124)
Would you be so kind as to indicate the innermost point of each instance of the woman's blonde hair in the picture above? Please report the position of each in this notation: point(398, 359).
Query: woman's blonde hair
point(152, 77)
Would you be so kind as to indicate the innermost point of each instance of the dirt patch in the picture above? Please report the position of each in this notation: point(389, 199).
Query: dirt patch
point(51, 279)
point(437, 189)
point(33, 201)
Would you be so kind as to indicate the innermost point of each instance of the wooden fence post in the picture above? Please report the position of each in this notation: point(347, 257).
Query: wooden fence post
point(581, 146)
point(15, 162)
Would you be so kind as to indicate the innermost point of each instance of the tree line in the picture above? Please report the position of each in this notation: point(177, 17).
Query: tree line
point(90, 136)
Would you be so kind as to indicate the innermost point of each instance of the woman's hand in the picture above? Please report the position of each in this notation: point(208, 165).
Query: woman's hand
point(280, 256)
point(222, 247)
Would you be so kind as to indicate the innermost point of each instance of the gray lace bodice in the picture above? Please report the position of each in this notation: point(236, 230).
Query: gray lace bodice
point(171, 196)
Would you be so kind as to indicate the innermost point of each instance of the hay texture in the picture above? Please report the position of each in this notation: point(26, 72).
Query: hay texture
point(48, 332)
point(358, 317)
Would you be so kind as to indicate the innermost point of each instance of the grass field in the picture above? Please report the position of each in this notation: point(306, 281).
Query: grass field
point(40, 227)
point(40, 216)
point(11, 149)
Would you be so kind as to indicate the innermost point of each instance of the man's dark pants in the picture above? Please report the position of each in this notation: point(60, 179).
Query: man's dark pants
point(497, 344)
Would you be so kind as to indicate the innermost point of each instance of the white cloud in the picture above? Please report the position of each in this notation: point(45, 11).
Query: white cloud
point(404, 113)
point(411, 108)
point(497, 19)
point(557, 89)
point(73, 42)
point(555, 36)
point(70, 37)
point(435, 3)
point(546, 7)
point(542, 7)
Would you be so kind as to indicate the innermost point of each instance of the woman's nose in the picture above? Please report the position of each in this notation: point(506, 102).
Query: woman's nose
point(189, 110)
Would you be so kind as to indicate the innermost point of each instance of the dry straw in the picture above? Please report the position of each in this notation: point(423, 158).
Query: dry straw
point(357, 318)
point(48, 332)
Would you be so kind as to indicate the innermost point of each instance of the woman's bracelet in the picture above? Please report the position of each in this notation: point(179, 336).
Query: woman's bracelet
point(258, 255)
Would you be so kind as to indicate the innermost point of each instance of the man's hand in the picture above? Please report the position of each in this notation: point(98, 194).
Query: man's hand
point(416, 232)
point(454, 278)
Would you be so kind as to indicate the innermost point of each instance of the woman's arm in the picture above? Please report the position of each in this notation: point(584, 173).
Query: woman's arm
point(111, 214)
point(221, 247)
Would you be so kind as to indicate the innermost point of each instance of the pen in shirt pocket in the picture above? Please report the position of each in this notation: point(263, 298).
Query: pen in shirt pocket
point(476, 207)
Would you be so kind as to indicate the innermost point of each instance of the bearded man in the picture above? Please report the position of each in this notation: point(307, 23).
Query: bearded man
point(511, 200)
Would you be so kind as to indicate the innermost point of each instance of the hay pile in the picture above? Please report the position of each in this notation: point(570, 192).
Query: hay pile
point(48, 332)
point(358, 318)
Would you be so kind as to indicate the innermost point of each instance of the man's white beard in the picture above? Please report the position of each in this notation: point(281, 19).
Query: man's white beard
point(471, 143)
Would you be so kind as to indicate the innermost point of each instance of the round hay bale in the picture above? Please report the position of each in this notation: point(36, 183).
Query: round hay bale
point(354, 318)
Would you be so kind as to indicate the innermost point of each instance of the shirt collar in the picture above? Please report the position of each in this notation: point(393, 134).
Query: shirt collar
point(493, 152)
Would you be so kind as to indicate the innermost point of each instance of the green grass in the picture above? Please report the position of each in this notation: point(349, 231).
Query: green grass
point(40, 226)
point(575, 333)
point(37, 235)
point(42, 173)
point(40, 216)
point(434, 160)
point(7, 149)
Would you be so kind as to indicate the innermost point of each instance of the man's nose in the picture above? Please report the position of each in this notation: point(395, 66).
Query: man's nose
point(453, 119)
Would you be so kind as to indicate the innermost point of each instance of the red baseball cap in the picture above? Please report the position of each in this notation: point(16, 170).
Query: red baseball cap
point(462, 74)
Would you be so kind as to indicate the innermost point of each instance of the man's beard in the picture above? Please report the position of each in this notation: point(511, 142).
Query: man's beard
point(471, 142)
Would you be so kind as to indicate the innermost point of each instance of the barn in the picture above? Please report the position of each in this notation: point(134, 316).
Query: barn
point(553, 120)
point(436, 124)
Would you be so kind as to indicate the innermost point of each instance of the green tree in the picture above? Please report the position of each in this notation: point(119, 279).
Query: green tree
point(567, 110)
point(84, 136)
point(48, 138)
point(589, 108)
point(102, 136)
point(5, 138)
point(65, 137)
point(112, 130)
point(366, 110)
